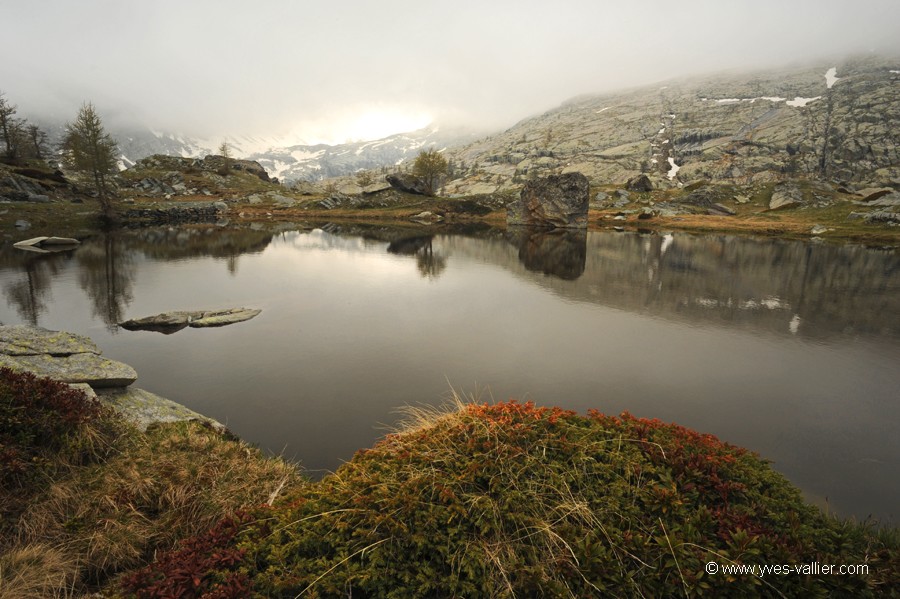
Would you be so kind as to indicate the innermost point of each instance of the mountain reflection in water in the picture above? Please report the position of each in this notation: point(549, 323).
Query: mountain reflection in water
point(785, 347)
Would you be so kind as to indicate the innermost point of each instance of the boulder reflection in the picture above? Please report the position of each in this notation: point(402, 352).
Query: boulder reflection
point(556, 252)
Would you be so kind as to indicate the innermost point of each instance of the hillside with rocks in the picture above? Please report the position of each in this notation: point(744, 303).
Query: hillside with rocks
point(834, 122)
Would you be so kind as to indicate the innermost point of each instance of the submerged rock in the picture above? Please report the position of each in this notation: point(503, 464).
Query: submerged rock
point(62, 356)
point(171, 322)
point(554, 201)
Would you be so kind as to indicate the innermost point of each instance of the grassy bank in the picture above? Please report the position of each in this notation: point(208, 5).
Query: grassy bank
point(484, 500)
point(84, 496)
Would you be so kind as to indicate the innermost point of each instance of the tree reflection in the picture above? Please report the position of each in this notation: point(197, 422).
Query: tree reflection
point(29, 294)
point(430, 265)
point(107, 275)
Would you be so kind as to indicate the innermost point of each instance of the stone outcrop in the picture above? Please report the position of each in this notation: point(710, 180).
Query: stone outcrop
point(180, 212)
point(171, 322)
point(554, 201)
point(212, 164)
point(62, 356)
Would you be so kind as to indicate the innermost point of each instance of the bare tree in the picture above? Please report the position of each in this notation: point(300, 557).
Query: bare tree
point(37, 141)
point(431, 166)
point(10, 130)
point(90, 150)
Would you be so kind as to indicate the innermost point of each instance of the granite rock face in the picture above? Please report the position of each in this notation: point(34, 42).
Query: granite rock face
point(554, 201)
point(747, 128)
point(62, 356)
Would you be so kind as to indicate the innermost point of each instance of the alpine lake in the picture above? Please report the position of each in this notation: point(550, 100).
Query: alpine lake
point(788, 348)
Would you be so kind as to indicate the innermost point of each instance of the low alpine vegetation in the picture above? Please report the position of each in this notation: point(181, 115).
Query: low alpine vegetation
point(512, 500)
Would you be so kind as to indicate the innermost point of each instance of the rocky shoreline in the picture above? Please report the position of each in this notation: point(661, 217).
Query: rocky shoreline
point(77, 361)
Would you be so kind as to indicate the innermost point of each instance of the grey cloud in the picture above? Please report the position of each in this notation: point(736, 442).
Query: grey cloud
point(229, 67)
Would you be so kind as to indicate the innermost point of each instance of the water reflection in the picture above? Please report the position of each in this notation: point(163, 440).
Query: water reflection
point(421, 246)
point(106, 275)
point(713, 332)
point(30, 291)
point(557, 252)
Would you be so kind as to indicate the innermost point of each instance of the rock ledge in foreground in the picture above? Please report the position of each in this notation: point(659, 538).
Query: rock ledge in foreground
point(62, 356)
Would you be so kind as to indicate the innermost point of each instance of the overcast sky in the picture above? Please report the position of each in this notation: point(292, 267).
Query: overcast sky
point(330, 70)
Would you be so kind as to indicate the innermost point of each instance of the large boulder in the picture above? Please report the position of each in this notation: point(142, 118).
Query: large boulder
point(554, 201)
point(786, 195)
point(408, 183)
point(641, 183)
point(61, 356)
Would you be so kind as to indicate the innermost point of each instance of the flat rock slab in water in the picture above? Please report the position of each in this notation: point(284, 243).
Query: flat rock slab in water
point(47, 243)
point(144, 408)
point(62, 356)
point(170, 322)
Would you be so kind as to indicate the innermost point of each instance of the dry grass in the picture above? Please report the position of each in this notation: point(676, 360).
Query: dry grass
point(37, 571)
point(174, 482)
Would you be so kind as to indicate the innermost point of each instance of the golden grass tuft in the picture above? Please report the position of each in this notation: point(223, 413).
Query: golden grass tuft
point(175, 481)
point(37, 571)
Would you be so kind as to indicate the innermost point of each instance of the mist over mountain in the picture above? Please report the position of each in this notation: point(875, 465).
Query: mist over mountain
point(832, 120)
point(836, 121)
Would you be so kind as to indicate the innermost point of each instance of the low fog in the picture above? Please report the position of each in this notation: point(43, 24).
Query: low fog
point(333, 71)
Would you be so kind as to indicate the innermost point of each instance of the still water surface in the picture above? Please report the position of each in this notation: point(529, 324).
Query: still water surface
point(788, 348)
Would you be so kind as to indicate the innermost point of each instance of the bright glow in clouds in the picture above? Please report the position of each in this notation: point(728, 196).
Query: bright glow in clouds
point(365, 123)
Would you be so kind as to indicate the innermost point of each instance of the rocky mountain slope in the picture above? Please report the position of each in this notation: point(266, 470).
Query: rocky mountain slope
point(837, 122)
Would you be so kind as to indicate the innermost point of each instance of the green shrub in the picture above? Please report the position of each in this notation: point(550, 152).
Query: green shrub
point(512, 500)
point(44, 422)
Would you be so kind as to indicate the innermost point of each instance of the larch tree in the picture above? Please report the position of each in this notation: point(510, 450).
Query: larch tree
point(10, 130)
point(431, 167)
point(88, 149)
point(226, 162)
point(37, 141)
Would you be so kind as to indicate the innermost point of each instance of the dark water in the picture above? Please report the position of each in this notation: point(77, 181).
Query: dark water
point(791, 349)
